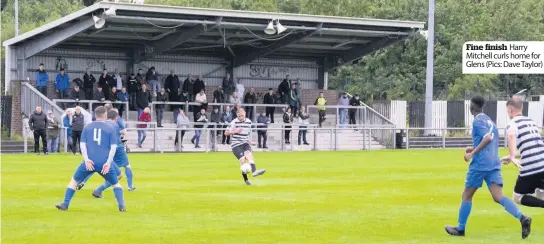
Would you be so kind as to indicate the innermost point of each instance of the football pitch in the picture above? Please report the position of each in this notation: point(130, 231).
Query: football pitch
point(305, 197)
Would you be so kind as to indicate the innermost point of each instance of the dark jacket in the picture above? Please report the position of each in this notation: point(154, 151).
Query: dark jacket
point(78, 82)
point(78, 95)
point(293, 98)
point(287, 118)
point(162, 97)
point(78, 122)
point(188, 86)
point(143, 98)
point(41, 78)
point(198, 86)
point(250, 98)
point(88, 81)
point(133, 85)
point(200, 119)
point(140, 78)
point(215, 118)
point(268, 99)
point(218, 96)
point(53, 128)
point(113, 96)
point(354, 102)
point(283, 88)
point(149, 76)
point(171, 83)
point(105, 82)
point(228, 86)
point(98, 95)
point(38, 121)
point(263, 120)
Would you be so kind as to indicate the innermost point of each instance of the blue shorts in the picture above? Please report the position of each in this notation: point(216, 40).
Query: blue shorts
point(82, 173)
point(121, 158)
point(476, 178)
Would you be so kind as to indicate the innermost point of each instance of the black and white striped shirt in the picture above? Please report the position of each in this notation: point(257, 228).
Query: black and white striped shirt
point(244, 135)
point(529, 143)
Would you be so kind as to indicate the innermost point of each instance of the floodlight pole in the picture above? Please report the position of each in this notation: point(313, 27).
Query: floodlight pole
point(430, 67)
point(16, 7)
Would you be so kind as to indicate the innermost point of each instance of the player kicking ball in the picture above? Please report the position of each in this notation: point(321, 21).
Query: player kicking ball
point(101, 140)
point(240, 132)
point(485, 166)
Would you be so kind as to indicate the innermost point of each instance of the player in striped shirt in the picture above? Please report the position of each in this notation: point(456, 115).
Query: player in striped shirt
point(240, 132)
point(524, 135)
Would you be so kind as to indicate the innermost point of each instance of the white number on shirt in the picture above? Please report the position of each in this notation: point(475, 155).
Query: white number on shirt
point(97, 135)
point(491, 126)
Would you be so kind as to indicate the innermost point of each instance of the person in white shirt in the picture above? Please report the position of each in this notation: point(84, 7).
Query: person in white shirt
point(304, 121)
point(240, 89)
point(201, 99)
point(234, 98)
point(119, 80)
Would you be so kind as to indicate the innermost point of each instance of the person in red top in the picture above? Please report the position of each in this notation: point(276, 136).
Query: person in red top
point(146, 118)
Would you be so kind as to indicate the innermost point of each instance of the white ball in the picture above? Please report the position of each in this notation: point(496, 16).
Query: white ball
point(245, 168)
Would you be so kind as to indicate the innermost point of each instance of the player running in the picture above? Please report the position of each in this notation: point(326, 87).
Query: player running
point(485, 166)
point(524, 135)
point(240, 131)
point(100, 139)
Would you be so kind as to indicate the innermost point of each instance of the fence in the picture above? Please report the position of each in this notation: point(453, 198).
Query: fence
point(89, 104)
point(30, 98)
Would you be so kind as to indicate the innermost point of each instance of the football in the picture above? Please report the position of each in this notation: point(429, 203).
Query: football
point(245, 168)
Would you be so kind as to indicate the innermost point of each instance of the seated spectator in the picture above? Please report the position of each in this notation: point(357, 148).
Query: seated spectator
point(98, 96)
point(77, 94)
point(113, 94)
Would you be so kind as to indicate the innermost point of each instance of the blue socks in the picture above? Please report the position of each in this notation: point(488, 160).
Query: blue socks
point(68, 196)
point(103, 187)
point(253, 166)
point(464, 212)
point(510, 207)
point(128, 173)
point(118, 192)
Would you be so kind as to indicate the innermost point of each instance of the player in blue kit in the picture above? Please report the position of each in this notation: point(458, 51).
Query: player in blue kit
point(98, 146)
point(485, 166)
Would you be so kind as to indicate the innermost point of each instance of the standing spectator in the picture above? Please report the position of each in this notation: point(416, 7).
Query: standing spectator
point(240, 89)
point(161, 97)
point(185, 98)
point(53, 127)
point(269, 99)
point(153, 80)
point(321, 102)
point(188, 86)
point(228, 87)
point(354, 102)
point(78, 122)
point(250, 98)
point(62, 83)
point(41, 80)
point(235, 109)
point(202, 100)
point(293, 100)
point(201, 119)
point(118, 81)
point(343, 112)
point(77, 94)
point(132, 86)
point(143, 98)
point(304, 121)
point(283, 90)
point(297, 87)
point(215, 120)
point(171, 83)
point(175, 97)
point(140, 77)
point(88, 84)
point(68, 125)
point(234, 98)
point(98, 96)
point(38, 123)
point(144, 119)
point(263, 120)
point(199, 86)
point(113, 95)
point(122, 97)
point(226, 118)
point(182, 121)
point(288, 120)
point(105, 81)
point(218, 96)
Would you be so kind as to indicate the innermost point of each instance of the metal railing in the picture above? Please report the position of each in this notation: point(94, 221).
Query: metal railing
point(31, 98)
point(90, 104)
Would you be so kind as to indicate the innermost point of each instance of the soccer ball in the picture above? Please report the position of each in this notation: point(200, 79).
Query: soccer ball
point(245, 168)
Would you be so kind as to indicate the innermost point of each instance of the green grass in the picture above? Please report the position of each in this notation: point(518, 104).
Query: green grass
point(308, 197)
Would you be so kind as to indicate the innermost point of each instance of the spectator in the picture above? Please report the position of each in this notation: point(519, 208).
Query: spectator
point(250, 98)
point(354, 102)
point(240, 89)
point(140, 77)
point(199, 85)
point(78, 122)
point(118, 81)
point(132, 86)
point(38, 122)
point(288, 120)
point(68, 125)
point(175, 97)
point(304, 120)
point(159, 112)
point(226, 118)
point(41, 80)
point(52, 132)
point(62, 83)
point(88, 84)
point(153, 80)
point(218, 96)
point(172, 85)
point(188, 86)
point(283, 90)
point(343, 112)
point(235, 110)
point(269, 99)
point(98, 96)
point(113, 95)
point(234, 98)
point(185, 98)
point(293, 100)
point(263, 120)
point(143, 98)
point(321, 102)
point(182, 121)
point(200, 120)
point(202, 100)
point(105, 81)
point(122, 97)
point(77, 94)
point(215, 119)
point(228, 87)
point(297, 87)
point(77, 82)
point(144, 119)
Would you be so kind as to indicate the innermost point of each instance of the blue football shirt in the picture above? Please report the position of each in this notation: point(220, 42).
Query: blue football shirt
point(117, 129)
point(488, 158)
point(99, 137)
